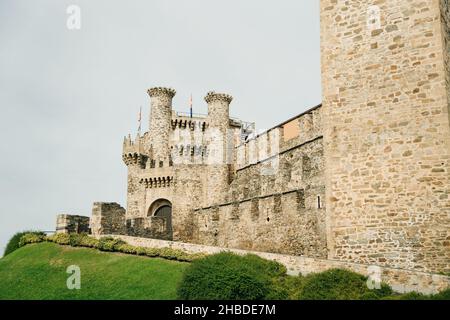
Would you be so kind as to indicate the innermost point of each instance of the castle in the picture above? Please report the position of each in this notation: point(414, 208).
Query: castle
point(363, 178)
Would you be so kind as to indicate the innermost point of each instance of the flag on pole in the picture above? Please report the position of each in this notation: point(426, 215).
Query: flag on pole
point(139, 119)
point(190, 105)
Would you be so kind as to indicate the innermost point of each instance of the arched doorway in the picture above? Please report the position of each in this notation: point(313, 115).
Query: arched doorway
point(161, 210)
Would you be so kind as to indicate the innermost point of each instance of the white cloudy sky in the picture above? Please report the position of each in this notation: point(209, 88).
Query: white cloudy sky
point(67, 98)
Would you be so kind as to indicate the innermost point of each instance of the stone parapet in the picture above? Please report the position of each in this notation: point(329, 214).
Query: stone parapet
point(108, 218)
point(133, 151)
point(295, 132)
point(149, 227)
point(161, 91)
point(66, 223)
point(213, 96)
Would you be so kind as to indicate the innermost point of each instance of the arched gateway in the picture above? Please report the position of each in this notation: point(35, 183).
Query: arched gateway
point(162, 209)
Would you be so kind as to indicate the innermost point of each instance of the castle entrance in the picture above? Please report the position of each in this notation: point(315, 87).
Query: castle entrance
point(162, 209)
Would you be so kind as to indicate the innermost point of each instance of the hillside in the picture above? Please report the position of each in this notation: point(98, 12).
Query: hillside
point(38, 271)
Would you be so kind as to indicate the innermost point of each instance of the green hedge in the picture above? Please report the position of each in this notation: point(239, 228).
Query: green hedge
point(340, 284)
point(14, 242)
point(109, 244)
point(227, 276)
point(443, 295)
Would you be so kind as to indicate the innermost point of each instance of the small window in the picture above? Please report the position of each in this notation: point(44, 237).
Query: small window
point(318, 203)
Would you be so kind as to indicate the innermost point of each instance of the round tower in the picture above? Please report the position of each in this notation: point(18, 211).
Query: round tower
point(218, 139)
point(218, 109)
point(160, 117)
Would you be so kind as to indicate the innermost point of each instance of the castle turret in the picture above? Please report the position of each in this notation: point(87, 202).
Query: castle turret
point(218, 109)
point(160, 117)
point(219, 154)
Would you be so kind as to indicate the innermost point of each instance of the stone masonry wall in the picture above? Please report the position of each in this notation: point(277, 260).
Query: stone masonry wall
point(66, 223)
point(400, 280)
point(149, 227)
point(445, 17)
point(108, 218)
point(275, 201)
point(386, 133)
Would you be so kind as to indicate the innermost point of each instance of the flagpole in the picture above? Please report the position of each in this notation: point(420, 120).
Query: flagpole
point(190, 105)
point(139, 120)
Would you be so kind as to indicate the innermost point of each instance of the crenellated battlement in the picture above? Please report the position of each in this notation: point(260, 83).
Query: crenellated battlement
point(191, 124)
point(133, 151)
point(212, 96)
point(299, 130)
point(161, 91)
point(157, 182)
point(134, 158)
point(133, 146)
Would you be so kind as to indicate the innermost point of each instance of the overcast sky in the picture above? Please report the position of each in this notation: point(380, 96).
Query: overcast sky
point(68, 97)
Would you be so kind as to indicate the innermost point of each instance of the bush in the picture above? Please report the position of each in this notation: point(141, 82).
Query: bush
point(89, 242)
point(152, 252)
point(287, 287)
point(126, 248)
point(75, 239)
point(13, 243)
point(141, 251)
point(109, 244)
point(60, 238)
point(227, 276)
point(339, 284)
point(443, 295)
point(31, 238)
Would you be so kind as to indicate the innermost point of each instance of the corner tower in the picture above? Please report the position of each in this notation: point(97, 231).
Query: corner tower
point(387, 133)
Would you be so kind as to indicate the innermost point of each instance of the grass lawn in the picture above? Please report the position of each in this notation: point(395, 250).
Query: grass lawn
point(38, 271)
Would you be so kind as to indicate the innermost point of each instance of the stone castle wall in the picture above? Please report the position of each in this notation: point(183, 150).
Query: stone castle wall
point(386, 133)
point(66, 223)
point(275, 202)
point(445, 18)
point(107, 218)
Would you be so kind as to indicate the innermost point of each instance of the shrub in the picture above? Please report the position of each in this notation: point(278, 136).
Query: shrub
point(89, 242)
point(227, 276)
point(109, 244)
point(189, 257)
point(13, 243)
point(126, 248)
point(152, 252)
point(75, 239)
point(171, 254)
point(60, 238)
point(409, 296)
point(31, 238)
point(141, 251)
point(339, 284)
point(443, 295)
point(287, 287)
